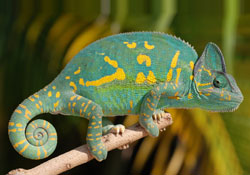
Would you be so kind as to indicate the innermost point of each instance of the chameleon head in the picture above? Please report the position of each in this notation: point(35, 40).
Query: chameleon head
point(216, 90)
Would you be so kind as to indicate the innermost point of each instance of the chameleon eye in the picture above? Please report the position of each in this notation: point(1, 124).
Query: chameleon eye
point(220, 81)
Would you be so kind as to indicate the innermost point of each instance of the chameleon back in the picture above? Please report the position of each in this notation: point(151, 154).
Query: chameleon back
point(108, 69)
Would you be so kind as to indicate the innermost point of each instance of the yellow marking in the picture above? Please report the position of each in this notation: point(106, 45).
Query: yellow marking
point(28, 133)
point(208, 71)
point(204, 84)
point(100, 122)
point(86, 106)
point(131, 46)
point(141, 58)
point(38, 153)
point(93, 108)
point(45, 89)
point(174, 97)
point(119, 75)
point(98, 134)
point(78, 71)
point(12, 130)
point(99, 152)
point(79, 97)
point(54, 87)
point(11, 123)
point(41, 142)
point(31, 99)
point(37, 143)
point(89, 135)
point(96, 127)
point(93, 117)
point(22, 106)
point(140, 78)
point(73, 97)
point(89, 127)
point(24, 148)
point(81, 81)
point(52, 138)
point(176, 93)
point(147, 46)
point(93, 123)
point(56, 104)
point(52, 134)
point(69, 106)
point(19, 143)
point(98, 139)
point(48, 125)
point(151, 109)
point(191, 63)
point(45, 152)
point(175, 59)
point(178, 71)
point(131, 104)
point(40, 103)
point(111, 62)
point(200, 93)
point(229, 97)
point(27, 112)
point(90, 139)
point(190, 96)
point(37, 106)
point(58, 94)
point(36, 95)
point(89, 113)
point(208, 94)
point(151, 77)
point(49, 94)
point(191, 77)
point(221, 99)
point(18, 111)
point(73, 85)
point(44, 123)
point(19, 125)
point(148, 100)
point(74, 104)
point(21, 129)
point(101, 53)
point(169, 75)
point(83, 104)
point(67, 77)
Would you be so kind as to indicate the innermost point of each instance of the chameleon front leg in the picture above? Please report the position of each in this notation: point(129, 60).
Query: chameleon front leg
point(149, 107)
point(81, 106)
point(109, 127)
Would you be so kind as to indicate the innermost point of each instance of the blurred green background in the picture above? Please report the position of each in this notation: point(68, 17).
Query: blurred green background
point(37, 39)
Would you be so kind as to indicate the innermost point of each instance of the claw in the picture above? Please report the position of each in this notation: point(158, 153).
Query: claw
point(118, 129)
point(123, 147)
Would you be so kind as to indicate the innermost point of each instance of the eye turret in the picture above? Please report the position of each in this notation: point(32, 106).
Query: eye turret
point(220, 81)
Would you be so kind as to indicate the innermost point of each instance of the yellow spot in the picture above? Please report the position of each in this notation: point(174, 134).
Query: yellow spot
point(52, 138)
point(24, 148)
point(93, 108)
point(131, 46)
point(93, 123)
point(131, 104)
point(11, 123)
point(67, 77)
point(147, 46)
point(36, 95)
point(176, 93)
point(74, 104)
point(22, 106)
point(93, 117)
point(141, 58)
point(191, 63)
point(38, 153)
point(72, 98)
point(178, 71)
point(208, 94)
point(96, 127)
point(12, 130)
point(81, 81)
point(83, 104)
point(151, 78)
point(101, 53)
point(31, 99)
point(58, 94)
point(69, 106)
point(119, 75)
point(150, 107)
point(45, 152)
point(99, 152)
point(19, 125)
point(204, 84)
point(190, 96)
point(78, 71)
point(98, 134)
point(175, 59)
point(19, 143)
point(48, 125)
point(27, 112)
point(79, 97)
point(191, 77)
point(229, 97)
point(18, 111)
point(40, 103)
point(169, 75)
point(56, 104)
point(49, 94)
point(20, 129)
point(86, 106)
point(89, 135)
point(52, 134)
point(37, 106)
point(111, 62)
point(208, 71)
point(140, 78)
point(54, 87)
point(73, 85)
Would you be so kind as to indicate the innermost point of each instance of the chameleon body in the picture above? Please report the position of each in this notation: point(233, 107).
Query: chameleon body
point(130, 73)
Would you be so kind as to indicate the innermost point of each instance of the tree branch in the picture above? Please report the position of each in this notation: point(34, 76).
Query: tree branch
point(81, 155)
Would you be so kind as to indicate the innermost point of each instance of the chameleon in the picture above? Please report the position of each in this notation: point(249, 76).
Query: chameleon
point(138, 73)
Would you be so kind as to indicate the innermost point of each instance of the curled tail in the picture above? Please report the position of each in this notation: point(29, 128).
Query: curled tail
point(36, 139)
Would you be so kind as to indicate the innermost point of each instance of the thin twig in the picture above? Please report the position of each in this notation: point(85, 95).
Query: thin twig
point(81, 155)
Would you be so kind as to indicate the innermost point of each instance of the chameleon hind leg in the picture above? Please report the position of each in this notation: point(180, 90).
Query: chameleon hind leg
point(109, 127)
point(81, 106)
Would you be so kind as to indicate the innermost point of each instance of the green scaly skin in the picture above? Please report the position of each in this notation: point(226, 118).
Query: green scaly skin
point(131, 73)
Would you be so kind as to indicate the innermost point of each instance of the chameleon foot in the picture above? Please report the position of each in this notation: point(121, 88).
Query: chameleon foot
point(158, 114)
point(99, 151)
point(123, 147)
point(118, 129)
